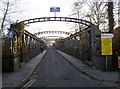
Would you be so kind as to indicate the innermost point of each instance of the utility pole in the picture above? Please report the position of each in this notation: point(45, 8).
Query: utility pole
point(110, 16)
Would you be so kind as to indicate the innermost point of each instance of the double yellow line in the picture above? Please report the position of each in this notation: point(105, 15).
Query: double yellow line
point(28, 84)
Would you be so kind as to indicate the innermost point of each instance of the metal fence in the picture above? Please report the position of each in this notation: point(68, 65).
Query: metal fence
point(19, 50)
point(86, 46)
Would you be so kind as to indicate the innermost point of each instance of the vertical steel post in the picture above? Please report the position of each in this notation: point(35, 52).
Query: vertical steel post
point(54, 14)
point(106, 62)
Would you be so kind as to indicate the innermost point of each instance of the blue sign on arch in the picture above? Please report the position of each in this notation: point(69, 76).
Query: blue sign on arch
point(55, 9)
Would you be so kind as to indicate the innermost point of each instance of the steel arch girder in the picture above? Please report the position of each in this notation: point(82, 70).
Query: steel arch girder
point(65, 19)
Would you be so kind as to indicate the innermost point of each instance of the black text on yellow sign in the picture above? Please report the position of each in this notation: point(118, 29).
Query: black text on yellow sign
point(106, 44)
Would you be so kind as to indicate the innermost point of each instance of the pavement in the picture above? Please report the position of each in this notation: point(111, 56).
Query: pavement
point(21, 76)
point(16, 79)
point(100, 75)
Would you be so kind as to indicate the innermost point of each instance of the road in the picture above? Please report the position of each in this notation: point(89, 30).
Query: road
point(55, 71)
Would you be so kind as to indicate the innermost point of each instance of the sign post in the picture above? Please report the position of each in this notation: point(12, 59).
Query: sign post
point(55, 9)
point(106, 45)
point(10, 35)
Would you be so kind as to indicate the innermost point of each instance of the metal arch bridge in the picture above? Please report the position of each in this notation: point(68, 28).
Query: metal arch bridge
point(85, 23)
point(64, 19)
point(52, 32)
point(86, 41)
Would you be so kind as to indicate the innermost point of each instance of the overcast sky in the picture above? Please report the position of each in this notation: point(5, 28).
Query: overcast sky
point(41, 8)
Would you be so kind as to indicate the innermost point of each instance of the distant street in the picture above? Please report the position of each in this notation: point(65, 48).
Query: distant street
point(55, 71)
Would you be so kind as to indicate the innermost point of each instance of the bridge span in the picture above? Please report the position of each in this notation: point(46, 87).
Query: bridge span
point(87, 40)
point(49, 37)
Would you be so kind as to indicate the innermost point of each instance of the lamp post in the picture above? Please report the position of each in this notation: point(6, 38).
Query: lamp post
point(10, 36)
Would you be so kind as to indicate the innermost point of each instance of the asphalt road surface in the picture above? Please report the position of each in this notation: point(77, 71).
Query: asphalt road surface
point(55, 71)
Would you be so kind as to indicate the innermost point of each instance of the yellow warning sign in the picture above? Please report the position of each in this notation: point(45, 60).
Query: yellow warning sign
point(106, 44)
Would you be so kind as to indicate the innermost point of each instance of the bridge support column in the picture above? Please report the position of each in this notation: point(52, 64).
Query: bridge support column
point(98, 60)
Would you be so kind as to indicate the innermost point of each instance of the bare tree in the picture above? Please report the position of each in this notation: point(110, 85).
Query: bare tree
point(98, 13)
point(8, 8)
point(5, 14)
point(77, 11)
point(116, 12)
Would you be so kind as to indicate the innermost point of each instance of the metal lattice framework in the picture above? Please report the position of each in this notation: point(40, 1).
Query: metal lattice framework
point(52, 32)
point(65, 19)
